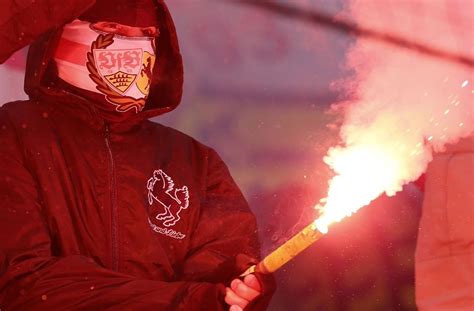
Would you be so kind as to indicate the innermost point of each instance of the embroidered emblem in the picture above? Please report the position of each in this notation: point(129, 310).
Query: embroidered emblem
point(161, 191)
point(115, 71)
point(118, 67)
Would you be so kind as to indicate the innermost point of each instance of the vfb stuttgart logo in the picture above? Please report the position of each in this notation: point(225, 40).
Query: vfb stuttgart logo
point(161, 190)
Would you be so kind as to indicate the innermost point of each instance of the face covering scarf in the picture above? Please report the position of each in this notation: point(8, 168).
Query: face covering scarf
point(119, 67)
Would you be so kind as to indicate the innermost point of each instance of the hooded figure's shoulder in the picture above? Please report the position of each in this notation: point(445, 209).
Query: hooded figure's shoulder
point(22, 110)
point(176, 137)
point(30, 119)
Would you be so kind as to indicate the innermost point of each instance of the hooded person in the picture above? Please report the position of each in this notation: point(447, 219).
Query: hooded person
point(99, 207)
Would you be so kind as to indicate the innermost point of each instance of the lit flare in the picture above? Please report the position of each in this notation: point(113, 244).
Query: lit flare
point(363, 173)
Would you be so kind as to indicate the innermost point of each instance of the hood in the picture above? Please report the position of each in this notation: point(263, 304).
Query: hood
point(167, 83)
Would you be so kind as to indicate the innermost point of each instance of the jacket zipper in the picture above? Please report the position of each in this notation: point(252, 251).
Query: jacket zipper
point(113, 201)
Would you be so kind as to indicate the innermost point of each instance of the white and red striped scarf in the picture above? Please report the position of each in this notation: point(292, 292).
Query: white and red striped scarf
point(121, 66)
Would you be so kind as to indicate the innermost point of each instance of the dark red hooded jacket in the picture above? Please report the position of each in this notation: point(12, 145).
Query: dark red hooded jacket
point(80, 199)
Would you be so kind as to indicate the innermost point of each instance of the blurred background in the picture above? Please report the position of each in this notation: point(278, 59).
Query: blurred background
point(259, 88)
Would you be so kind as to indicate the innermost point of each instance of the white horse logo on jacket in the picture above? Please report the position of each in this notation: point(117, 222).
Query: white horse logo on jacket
point(161, 189)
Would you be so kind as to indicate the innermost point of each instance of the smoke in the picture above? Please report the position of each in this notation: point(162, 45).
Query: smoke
point(408, 104)
point(404, 105)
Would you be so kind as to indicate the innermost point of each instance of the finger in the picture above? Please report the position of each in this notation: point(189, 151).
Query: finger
point(252, 281)
point(235, 308)
point(231, 298)
point(243, 290)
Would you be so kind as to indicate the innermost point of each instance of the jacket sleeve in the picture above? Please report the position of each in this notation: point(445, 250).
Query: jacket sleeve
point(21, 22)
point(32, 278)
point(225, 242)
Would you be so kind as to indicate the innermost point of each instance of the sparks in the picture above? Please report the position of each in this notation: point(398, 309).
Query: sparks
point(465, 83)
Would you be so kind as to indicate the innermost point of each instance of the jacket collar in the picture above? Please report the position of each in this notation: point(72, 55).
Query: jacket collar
point(62, 99)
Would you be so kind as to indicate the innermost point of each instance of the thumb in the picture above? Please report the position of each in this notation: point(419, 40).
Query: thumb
point(252, 281)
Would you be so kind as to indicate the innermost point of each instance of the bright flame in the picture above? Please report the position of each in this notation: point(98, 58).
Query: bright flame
point(407, 105)
point(364, 173)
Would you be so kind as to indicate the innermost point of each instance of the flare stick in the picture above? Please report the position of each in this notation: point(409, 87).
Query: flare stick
point(276, 259)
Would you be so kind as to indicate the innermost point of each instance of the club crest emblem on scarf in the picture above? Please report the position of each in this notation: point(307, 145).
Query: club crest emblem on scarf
point(123, 75)
point(171, 201)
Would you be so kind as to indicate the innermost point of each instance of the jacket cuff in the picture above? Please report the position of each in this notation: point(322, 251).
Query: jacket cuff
point(267, 281)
